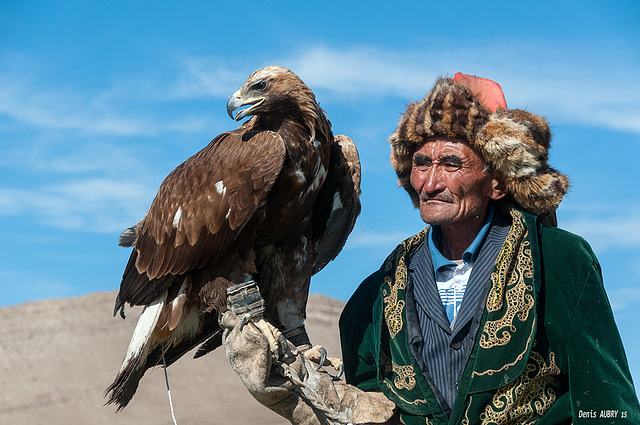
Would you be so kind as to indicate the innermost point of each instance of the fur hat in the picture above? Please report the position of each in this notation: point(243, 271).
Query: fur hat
point(513, 142)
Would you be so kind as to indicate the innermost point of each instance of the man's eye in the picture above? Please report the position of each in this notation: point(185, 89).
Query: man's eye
point(450, 166)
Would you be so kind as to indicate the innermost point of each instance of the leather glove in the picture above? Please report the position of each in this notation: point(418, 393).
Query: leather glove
point(291, 386)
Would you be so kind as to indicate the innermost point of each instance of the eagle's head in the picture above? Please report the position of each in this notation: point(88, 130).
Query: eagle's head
point(270, 90)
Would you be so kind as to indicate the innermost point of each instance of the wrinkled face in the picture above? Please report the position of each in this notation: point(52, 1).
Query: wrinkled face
point(453, 187)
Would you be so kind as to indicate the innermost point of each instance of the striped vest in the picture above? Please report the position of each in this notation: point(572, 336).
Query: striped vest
point(440, 348)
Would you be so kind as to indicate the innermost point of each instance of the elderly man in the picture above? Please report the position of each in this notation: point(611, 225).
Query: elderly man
point(490, 315)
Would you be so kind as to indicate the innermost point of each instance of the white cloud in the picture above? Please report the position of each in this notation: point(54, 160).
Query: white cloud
point(369, 239)
point(129, 107)
point(570, 83)
point(595, 98)
point(73, 156)
point(569, 87)
point(94, 205)
point(623, 298)
point(37, 105)
point(364, 71)
point(609, 229)
point(60, 109)
point(205, 77)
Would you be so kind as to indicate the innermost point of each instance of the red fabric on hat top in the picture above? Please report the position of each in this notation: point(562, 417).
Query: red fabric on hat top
point(487, 91)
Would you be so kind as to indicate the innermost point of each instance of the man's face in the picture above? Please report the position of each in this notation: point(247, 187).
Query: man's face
point(448, 176)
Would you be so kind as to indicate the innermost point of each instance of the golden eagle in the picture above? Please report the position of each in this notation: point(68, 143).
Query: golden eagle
point(272, 201)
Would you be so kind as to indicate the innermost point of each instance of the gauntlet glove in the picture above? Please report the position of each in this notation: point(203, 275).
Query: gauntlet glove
point(290, 385)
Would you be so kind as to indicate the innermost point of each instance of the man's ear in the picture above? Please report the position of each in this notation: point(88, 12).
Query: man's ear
point(499, 189)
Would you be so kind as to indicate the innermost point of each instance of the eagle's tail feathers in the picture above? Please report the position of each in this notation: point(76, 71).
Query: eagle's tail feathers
point(133, 367)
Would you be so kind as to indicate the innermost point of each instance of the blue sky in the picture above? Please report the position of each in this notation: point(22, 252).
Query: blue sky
point(100, 101)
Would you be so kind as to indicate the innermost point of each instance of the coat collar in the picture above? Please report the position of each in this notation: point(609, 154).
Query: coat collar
point(506, 332)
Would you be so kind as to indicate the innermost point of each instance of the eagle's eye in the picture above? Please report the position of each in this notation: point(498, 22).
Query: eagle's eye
point(260, 85)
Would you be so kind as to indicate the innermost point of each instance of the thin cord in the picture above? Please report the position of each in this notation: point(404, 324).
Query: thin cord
point(166, 379)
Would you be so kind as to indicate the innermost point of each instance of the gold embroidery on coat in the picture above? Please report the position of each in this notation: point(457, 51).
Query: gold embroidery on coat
point(405, 376)
point(393, 306)
point(465, 420)
point(414, 402)
point(504, 261)
point(508, 365)
point(508, 285)
point(527, 398)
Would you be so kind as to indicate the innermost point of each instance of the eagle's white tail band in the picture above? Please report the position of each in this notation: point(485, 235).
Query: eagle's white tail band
point(139, 345)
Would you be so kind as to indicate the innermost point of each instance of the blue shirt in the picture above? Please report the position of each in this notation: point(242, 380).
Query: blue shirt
point(452, 277)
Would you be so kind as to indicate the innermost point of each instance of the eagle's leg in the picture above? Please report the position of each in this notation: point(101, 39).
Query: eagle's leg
point(317, 353)
point(291, 313)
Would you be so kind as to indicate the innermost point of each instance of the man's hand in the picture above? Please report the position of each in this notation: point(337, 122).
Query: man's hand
point(291, 386)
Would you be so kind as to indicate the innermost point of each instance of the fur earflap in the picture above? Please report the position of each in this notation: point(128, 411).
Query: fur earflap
point(513, 142)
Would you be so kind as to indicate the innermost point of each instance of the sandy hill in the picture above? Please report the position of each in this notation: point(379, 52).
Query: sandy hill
point(58, 356)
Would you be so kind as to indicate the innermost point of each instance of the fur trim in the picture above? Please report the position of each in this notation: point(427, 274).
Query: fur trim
point(513, 142)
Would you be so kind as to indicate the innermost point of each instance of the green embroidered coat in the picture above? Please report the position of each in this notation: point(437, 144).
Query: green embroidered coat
point(547, 350)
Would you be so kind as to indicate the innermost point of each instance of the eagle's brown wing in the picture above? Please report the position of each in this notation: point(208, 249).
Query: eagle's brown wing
point(338, 203)
point(200, 209)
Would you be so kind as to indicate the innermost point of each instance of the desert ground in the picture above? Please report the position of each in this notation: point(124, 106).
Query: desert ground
point(58, 356)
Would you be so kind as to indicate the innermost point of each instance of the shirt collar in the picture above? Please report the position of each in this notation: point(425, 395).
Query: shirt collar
point(469, 255)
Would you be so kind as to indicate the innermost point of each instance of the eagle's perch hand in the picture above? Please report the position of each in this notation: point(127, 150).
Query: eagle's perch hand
point(313, 398)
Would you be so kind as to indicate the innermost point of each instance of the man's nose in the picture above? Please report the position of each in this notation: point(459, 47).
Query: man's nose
point(433, 180)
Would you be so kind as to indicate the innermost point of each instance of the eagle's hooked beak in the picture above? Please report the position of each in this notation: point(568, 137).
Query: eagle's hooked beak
point(237, 100)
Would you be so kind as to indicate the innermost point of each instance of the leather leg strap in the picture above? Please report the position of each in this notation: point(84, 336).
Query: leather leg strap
point(245, 298)
point(298, 337)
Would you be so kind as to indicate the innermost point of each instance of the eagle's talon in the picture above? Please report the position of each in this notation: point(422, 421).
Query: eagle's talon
point(245, 319)
point(318, 354)
point(323, 358)
point(285, 351)
point(340, 372)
